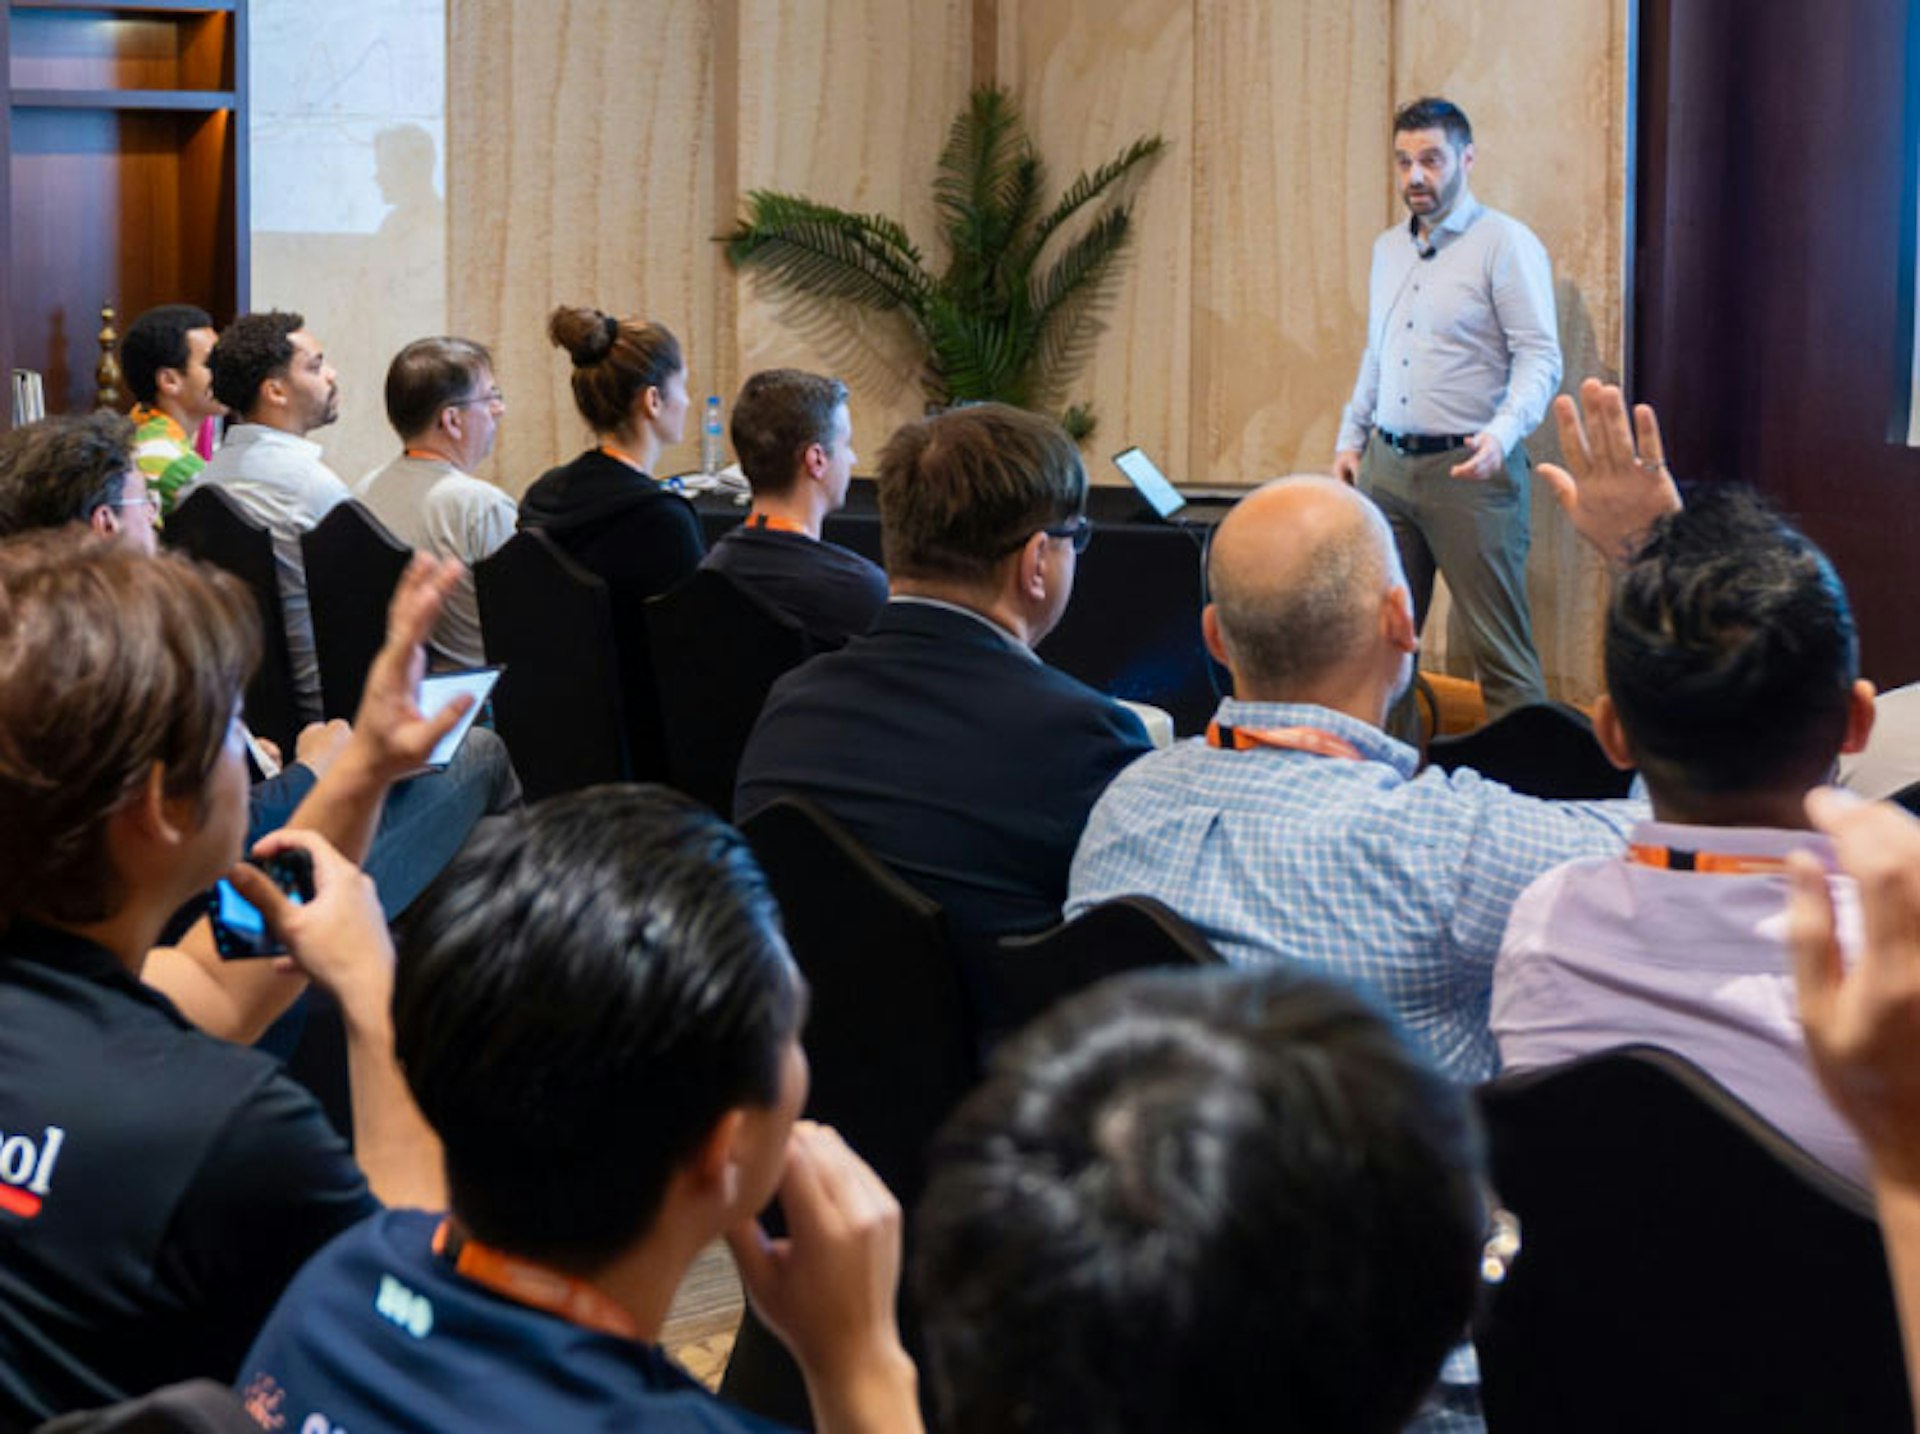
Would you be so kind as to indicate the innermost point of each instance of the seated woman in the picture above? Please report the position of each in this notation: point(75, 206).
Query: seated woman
point(158, 1187)
point(604, 509)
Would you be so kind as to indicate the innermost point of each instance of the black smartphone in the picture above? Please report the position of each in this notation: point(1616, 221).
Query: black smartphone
point(239, 930)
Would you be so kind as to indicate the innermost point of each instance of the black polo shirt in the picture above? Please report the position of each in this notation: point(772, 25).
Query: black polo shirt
point(832, 592)
point(158, 1187)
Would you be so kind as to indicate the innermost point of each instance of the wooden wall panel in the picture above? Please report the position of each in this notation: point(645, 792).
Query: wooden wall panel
point(1092, 79)
point(1547, 90)
point(847, 102)
point(1293, 125)
point(597, 147)
point(580, 169)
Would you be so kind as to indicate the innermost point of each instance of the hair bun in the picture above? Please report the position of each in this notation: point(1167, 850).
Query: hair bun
point(586, 334)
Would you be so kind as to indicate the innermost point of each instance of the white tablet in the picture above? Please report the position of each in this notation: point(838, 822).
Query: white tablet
point(437, 689)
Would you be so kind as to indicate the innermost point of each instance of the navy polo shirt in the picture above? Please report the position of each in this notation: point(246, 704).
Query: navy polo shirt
point(379, 1333)
point(158, 1187)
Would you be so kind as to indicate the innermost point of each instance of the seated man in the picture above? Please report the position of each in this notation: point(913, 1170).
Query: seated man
point(443, 402)
point(597, 1013)
point(939, 739)
point(271, 374)
point(1733, 685)
point(160, 1186)
point(79, 469)
point(1298, 829)
point(1199, 1200)
point(794, 438)
point(163, 356)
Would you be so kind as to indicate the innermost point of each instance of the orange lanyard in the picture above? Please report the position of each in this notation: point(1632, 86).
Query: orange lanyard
point(422, 455)
point(615, 453)
point(527, 1283)
point(1711, 863)
point(775, 523)
point(1292, 739)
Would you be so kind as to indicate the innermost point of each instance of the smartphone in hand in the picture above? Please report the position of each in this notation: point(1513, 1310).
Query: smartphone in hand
point(239, 930)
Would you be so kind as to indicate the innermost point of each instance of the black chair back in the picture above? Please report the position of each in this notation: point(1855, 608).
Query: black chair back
point(209, 525)
point(1020, 977)
point(558, 706)
point(353, 565)
point(1683, 1265)
point(888, 1037)
point(1545, 749)
point(717, 649)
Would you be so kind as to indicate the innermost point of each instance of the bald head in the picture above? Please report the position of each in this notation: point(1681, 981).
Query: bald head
point(1297, 572)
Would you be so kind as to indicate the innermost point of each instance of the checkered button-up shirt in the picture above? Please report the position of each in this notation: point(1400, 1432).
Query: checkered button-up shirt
point(1356, 869)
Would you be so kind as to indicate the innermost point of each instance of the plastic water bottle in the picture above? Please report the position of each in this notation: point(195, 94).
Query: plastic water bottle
point(713, 449)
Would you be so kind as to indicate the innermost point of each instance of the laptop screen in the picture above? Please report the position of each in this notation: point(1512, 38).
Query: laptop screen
point(1150, 482)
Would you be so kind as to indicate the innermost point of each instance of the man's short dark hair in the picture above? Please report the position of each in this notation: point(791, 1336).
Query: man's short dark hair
point(112, 663)
point(429, 374)
point(581, 996)
point(251, 350)
point(780, 413)
point(962, 490)
point(1731, 650)
point(157, 340)
point(61, 469)
point(1200, 1200)
point(1432, 112)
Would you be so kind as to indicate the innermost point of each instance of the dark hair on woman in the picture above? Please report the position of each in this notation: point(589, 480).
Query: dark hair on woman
point(1730, 650)
point(157, 340)
point(582, 995)
point(112, 662)
point(614, 361)
point(1200, 1200)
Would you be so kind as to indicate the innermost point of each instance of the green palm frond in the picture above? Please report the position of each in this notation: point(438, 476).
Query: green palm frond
point(976, 356)
point(994, 325)
point(1089, 186)
point(1064, 295)
point(819, 249)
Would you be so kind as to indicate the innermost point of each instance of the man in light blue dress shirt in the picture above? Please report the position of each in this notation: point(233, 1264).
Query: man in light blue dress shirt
point(1462, 359)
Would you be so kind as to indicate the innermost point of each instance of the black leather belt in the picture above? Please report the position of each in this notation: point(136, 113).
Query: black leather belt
point(1419, 445)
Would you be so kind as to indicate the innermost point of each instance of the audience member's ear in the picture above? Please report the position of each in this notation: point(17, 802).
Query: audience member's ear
point(714, 1166)
point(813, 461)
point(1396, 620)
point(1611, 734)
point(1860, 715)
point(1210, 634)
point(104, 520)
point(1033, 567)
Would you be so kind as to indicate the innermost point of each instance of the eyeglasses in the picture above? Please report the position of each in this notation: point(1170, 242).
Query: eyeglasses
point(493, 398)
point(145, 500)
point(1077, 530)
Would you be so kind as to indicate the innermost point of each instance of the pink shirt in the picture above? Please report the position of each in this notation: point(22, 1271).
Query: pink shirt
point(1608, 952)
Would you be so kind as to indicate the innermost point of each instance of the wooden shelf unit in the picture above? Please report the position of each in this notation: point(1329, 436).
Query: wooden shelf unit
point(125, 135)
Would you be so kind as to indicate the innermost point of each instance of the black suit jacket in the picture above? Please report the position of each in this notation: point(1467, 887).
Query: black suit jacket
point(967, 766)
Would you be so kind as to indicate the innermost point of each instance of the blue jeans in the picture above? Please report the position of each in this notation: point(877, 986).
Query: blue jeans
point(426, 819)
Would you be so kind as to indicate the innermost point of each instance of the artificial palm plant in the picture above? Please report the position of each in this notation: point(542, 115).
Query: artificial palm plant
point(997, 323)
